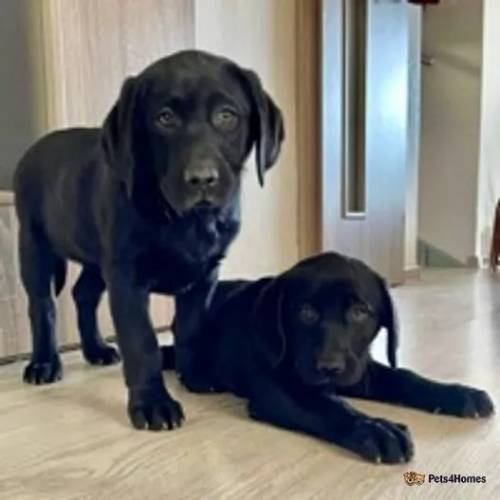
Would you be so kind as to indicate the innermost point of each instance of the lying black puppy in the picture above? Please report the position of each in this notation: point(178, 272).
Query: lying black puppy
point(292, 344)
point(147, 203)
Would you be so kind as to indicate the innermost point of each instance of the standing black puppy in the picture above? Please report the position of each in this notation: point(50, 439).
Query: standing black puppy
point(292, 344)
point(147, 203)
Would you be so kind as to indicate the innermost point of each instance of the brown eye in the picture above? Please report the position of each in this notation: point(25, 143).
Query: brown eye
point(166, 118)
point(225, 119)
point(308, 315)
point(358, 313)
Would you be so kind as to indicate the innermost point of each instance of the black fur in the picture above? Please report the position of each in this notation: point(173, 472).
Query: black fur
point(147, 203)
point(292, 344)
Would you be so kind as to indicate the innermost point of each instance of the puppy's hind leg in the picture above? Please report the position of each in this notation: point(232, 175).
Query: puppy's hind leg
point(87, 294)
point(39, 265)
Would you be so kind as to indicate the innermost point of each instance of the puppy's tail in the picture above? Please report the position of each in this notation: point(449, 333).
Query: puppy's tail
point(59, 275)
point(168, 357)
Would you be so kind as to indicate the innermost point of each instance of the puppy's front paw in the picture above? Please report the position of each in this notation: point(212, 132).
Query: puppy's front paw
point(154, 409)
point(463, 401)
point(102, 355)
point(43, 372)
point(380, 441)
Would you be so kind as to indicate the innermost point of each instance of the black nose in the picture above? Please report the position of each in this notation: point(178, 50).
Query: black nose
point(201, 175)
point(334, 365)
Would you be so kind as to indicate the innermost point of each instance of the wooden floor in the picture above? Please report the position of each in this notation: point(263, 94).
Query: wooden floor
point(72, 440)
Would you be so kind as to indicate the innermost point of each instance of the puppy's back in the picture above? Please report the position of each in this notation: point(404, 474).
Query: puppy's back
point(41, 170)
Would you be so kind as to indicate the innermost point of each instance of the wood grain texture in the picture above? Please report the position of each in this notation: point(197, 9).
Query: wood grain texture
point(72, 440)
point(91, 46)
point(308, 82)
point(14, 328)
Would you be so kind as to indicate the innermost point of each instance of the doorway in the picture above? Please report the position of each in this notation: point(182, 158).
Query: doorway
point(450, 143)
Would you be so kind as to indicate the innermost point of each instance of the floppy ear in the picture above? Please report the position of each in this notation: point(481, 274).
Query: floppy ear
point(118, 132)
point(267, 127)
point(269, 334)
point(389, 321)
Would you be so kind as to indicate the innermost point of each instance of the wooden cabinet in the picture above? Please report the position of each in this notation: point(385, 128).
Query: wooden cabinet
point(14, 330)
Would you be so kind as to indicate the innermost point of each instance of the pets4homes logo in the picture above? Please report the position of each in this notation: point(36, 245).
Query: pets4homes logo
point(414, 478)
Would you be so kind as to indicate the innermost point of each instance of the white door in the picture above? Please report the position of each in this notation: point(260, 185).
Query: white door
point(364, 130)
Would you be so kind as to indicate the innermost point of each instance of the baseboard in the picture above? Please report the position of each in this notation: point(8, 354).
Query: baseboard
point(475, 262)
point(162, 331)
point(484, 262)
point(412, 273)
point(430, 256)
point(6, 198)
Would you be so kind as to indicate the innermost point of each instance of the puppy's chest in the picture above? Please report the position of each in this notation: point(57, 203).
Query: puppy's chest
point(178, 258)
point(167, 272)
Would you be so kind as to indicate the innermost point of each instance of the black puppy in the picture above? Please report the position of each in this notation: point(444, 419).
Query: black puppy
point(147, 203)
point(292, 344)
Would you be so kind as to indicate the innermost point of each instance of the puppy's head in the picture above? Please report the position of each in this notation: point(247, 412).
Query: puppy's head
point(183, 128)
point(321, 316)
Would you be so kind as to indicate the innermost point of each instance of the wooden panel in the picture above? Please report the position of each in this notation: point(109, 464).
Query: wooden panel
point(308, 124)
point(90, 48)
point(92, 45)
point(14, 330)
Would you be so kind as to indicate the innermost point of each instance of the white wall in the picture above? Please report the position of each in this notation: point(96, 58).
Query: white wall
point(451, 89)
point(489, 170)
point(261, 35)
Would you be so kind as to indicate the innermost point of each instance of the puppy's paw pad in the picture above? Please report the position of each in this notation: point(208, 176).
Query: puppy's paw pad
point(155, 412)
point(380, 441)
point(40, 373)
point(102, 356)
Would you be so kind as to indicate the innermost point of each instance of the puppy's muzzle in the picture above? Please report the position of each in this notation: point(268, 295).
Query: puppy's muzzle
point(202, 176)
point(332, 364)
